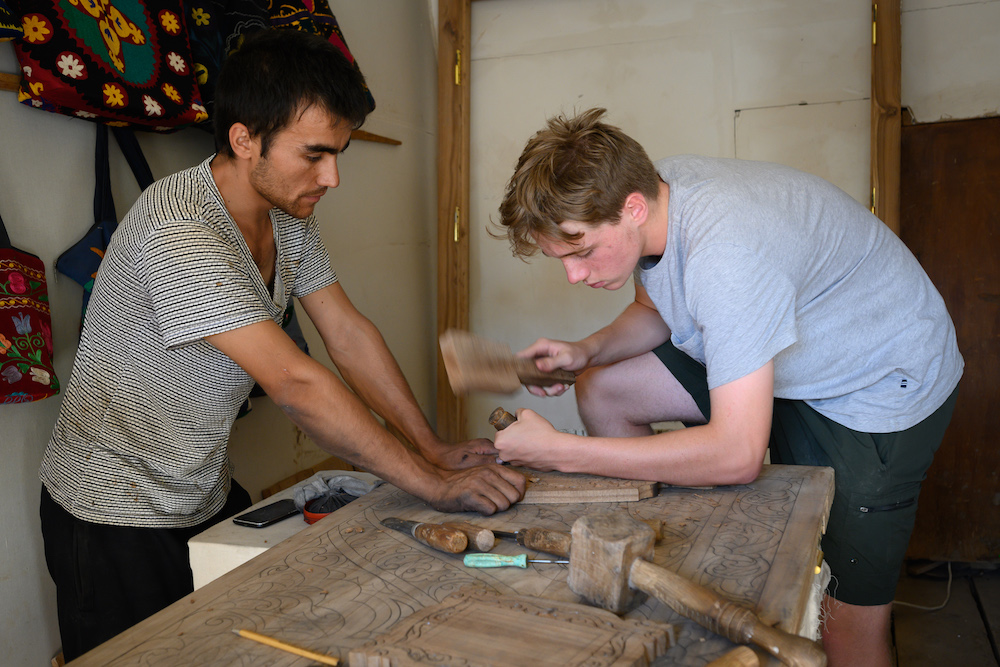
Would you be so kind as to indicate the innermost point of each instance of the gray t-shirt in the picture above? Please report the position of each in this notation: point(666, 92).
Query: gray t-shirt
point(766, 262)
point(142, 432)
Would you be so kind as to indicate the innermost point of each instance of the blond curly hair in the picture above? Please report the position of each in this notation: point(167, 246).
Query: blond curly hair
point(578, 169)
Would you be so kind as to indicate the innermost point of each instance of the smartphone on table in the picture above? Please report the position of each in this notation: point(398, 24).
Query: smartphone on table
point(268, 514)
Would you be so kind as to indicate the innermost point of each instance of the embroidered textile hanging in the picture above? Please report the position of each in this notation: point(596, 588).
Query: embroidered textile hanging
point(121, 62)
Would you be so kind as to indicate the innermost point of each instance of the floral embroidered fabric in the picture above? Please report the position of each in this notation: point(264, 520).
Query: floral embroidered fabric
point(121, 62)
point(26, 372)
point(10, 27)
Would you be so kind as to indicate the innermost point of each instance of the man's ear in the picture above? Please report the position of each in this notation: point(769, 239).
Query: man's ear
point(243, 144)
point(637, 207)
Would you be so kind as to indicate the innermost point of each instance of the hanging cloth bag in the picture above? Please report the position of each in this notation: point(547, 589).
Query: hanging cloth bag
point(126, 62)
point(83, 259)
point(216, 29)
point(26, 371)
point(314, 16)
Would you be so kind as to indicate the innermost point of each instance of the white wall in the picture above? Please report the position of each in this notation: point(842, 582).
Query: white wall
point(780, 80)
point(379, 227)
point(950, 53)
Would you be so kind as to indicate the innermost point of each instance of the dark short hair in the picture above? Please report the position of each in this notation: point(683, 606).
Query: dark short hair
point(278, 73)
point(579, 169)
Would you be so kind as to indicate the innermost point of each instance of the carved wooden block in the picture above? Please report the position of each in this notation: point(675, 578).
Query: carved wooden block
point(563, 487)
point(476, 628)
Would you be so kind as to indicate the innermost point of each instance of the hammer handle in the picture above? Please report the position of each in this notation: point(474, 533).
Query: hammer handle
point(528, 373)
point(732, 621)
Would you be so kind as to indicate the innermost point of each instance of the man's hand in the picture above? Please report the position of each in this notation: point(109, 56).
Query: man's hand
point(521, 443)
point(485, 489)
point(550, 355)
point(462, 455)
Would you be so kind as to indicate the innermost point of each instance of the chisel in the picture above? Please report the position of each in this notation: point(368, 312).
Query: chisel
point(434, 535)
point(540, 539)
point(498, 560)
point(480, 539)
point(557, 542)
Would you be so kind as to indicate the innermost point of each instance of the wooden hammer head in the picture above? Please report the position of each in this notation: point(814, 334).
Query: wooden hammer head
point(477, 364)
point(604, 546)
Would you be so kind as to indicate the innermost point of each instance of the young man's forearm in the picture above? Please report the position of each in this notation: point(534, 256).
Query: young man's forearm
point(638, 329)
point(686, 457)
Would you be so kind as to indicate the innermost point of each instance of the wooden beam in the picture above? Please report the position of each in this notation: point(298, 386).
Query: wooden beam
point(454, 51)
point(886, 116)
point(361, 135)
point(9, 81)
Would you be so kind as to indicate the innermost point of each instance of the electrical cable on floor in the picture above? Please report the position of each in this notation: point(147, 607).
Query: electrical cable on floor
point(947, 595)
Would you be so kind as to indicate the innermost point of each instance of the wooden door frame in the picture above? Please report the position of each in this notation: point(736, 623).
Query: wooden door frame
point(454, 121)
point(886, 111)
point(454, 53)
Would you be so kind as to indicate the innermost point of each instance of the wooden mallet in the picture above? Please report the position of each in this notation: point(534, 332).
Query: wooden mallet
point(474, 363)
point(610, 568)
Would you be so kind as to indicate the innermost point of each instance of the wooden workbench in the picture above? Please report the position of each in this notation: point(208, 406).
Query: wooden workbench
point(345, 580)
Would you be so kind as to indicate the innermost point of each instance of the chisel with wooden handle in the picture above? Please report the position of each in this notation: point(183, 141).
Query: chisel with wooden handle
point(434, 535)
point(480, 539)
point(540, 539)
point(556, 541)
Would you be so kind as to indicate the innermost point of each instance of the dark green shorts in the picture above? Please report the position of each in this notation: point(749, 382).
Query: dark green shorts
point(878, 478)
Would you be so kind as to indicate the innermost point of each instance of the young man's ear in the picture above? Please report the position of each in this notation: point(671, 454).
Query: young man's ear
point(636, 207)
point(243, 144)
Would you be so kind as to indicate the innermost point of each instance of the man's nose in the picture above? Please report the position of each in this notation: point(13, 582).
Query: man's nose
point(329, 176)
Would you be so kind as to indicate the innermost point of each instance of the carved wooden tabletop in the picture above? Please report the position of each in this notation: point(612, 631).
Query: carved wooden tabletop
point(346, 580)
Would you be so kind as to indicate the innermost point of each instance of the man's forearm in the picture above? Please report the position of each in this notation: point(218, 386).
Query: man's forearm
point(371, 370)
point(337, 421)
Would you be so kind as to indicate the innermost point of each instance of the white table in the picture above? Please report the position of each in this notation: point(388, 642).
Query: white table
point(225, 545)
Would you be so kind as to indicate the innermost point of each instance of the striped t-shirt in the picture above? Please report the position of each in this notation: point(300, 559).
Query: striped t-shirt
point(141, 438)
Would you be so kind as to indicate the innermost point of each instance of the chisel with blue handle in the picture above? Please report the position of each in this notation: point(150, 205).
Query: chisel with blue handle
point(498, 560)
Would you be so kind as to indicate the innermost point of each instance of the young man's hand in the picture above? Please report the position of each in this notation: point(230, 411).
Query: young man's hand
point(550, 355)
point(485, 489)
point(462, 455)
point(521, 443)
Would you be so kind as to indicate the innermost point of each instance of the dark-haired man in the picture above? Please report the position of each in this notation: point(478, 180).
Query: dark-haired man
point(184, 320)
point(771, 309)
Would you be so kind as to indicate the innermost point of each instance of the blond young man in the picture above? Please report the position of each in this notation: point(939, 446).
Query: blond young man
point(771, 310)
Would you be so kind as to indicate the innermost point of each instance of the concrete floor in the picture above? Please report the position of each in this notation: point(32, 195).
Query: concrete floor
point(965, 632)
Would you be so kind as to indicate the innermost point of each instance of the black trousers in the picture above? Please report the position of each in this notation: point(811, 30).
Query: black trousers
point(108, 578)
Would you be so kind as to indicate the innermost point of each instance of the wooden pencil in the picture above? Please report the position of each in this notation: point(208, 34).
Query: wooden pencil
point(275, 643)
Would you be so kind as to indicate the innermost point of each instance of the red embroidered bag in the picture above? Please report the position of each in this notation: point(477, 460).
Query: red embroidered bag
point(26, 372)
point(121, 62)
